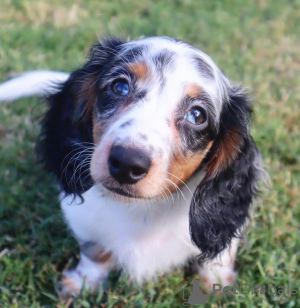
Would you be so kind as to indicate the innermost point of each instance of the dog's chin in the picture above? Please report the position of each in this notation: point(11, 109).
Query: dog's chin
point(121, 194)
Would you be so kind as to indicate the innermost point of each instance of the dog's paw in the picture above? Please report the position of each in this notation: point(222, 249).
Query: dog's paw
point(217, 275)
point(72, 282)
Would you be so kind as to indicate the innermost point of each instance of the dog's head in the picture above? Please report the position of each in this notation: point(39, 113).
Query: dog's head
point(140, 118)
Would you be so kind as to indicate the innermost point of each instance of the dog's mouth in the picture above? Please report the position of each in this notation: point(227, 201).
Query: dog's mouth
point(121, 192)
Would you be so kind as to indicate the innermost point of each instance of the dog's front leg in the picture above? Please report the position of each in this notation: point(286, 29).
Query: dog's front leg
point(221, 269)
point(92, 270)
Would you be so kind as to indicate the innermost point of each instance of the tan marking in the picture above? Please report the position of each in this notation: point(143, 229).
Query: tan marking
point(87, 94)
point(97, 254)
point(230, 279)
point(182, 167)
point(103, 257)
point(140, 70)
point(226, 153)
point(192, 90)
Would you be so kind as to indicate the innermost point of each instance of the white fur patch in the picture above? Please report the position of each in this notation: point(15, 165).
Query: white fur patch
point(145, 237)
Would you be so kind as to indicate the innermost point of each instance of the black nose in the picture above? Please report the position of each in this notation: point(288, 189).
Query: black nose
point(128, 165)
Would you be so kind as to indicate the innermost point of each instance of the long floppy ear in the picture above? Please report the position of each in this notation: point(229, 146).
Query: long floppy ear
point(221, 203)
point(66, 140)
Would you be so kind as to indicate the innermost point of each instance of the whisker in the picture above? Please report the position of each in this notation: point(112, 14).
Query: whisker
point(74, 159)
point(86, 162)
point(164, 195)
point(182, 182)
point(170, 193)
point(177, 188)
point(72, 180)
point(69, 162)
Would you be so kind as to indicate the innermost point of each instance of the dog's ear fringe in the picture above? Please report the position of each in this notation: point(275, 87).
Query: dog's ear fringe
point(221, 203)
point(233, 132)
point(67, 125)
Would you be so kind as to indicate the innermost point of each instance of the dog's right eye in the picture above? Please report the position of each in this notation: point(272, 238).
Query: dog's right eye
point(120, 87)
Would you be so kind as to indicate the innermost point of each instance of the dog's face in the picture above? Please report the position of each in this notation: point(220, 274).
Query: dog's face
point(141, 117)
point(156, 108)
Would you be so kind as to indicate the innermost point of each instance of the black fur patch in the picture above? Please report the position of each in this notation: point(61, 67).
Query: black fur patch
point(66, 139)
point(221, 203)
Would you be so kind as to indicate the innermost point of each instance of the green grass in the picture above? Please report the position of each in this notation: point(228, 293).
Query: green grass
point(254, 42)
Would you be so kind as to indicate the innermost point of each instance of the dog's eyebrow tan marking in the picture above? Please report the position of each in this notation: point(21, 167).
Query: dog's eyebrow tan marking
point(140, 70)
point(192, 90)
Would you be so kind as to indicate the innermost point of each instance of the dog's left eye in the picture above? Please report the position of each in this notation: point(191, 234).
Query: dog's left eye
point(120, 87)
point(196, 116)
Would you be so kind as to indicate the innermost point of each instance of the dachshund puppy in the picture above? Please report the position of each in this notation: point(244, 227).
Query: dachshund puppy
point(151, 147)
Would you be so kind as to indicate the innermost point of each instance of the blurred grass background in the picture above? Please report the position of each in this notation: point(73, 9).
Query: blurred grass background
point(253, 42)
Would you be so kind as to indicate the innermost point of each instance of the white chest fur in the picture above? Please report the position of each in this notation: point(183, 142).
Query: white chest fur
point(145, 237)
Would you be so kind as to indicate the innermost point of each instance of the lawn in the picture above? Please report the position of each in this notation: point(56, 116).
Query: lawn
point(254, 42)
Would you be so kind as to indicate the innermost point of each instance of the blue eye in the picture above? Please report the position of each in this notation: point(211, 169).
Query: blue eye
point(196, 116)
point(120, 87)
